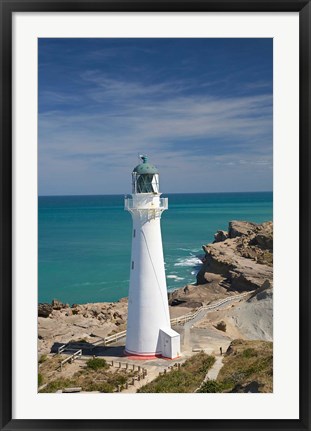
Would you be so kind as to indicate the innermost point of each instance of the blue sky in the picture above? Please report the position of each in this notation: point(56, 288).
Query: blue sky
point(201, 109)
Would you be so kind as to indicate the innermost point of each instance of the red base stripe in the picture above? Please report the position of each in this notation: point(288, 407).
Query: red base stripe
point(146, 357)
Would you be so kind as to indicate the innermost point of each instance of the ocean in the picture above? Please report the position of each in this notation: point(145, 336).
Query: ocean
point(85, 241)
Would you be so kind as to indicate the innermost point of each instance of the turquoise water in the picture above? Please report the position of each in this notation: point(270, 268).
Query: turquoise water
point(85, 241)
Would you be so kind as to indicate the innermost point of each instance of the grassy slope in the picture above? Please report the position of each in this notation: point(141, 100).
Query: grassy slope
point(248, 367)
point(186, 379)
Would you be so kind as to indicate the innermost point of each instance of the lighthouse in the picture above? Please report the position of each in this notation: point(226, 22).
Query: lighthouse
point(149, 332)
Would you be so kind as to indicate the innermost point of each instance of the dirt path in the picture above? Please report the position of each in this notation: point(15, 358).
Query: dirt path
point(187, 326)
point(213, 372)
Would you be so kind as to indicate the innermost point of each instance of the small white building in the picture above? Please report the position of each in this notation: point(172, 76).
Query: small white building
point(149, 331)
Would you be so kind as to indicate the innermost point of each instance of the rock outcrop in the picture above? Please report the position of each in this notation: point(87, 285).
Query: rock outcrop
point(193, 296)
point(44, 310)
point(250, 318)
point(220, 235)
point(58, 322)
point(240, 228)
point(244, 258)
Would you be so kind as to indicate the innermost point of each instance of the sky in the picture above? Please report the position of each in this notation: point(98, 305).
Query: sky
point(200, 109)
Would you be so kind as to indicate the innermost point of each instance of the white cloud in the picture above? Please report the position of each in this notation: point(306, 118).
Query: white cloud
point(118, 119)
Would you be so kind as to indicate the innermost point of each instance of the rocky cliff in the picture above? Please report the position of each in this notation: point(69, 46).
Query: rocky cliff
point(238, 260)
point(243, 256)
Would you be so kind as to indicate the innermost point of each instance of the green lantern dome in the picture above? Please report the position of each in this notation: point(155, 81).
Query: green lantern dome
point(145, 167)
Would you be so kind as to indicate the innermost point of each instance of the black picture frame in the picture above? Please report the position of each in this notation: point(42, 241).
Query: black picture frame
point(8, 7)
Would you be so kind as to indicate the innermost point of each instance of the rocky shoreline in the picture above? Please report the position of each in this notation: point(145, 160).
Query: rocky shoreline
point(239, 259)
point(243, 256)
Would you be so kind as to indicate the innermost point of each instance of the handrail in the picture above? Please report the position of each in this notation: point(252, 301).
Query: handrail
point(61, 348)
point(114, 337)
point(190, 316)
point(69, 358)
point(181, 319)
point(130, 203)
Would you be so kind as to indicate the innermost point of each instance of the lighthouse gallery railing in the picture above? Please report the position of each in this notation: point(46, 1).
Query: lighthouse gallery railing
point(129, 204)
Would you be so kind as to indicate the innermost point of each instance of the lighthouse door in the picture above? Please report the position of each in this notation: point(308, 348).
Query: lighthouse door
point(166, 347)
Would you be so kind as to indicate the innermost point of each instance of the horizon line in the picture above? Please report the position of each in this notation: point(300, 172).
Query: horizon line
point(166, 193)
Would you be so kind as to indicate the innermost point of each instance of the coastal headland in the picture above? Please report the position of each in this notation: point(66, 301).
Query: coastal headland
point(238, 262)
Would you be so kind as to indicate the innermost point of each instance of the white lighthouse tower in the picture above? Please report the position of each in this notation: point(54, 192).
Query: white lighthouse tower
point(149, 331)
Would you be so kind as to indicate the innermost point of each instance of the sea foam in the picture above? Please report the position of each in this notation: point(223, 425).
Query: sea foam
point(189, 261)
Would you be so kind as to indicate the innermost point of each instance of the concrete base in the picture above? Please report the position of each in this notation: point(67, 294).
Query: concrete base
point(136, 356)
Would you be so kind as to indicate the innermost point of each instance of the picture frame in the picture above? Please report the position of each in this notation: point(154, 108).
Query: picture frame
point(8, 8)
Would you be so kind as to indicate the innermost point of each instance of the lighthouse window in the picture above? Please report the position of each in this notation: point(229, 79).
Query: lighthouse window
point(132, 264)
point(134, 233)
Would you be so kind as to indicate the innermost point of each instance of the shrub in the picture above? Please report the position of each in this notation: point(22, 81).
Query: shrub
point(40, 379)
point(248, 353)
point(176, 381)
point(211, 386)
point(42, 359)
point(221, 326)
point(117, 379)
point(101, 387)
point(58, 384)
point(96, 363)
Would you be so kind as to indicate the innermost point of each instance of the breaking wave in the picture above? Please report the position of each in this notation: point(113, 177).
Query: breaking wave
point(189, 261)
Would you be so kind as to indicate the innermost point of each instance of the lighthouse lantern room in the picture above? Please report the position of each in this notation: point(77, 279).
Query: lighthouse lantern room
point(149, 331)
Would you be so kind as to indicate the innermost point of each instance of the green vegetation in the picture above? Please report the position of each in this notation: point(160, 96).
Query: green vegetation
point(211, 386)
point(58, 384)
point(248, 367)
point(249, 353)
point(40, 379)
point(95, 375)
point(104, 387)
point(185, 379)
point(96, 363)
point(265, 258)
point(91, 380)
point(42, 359)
